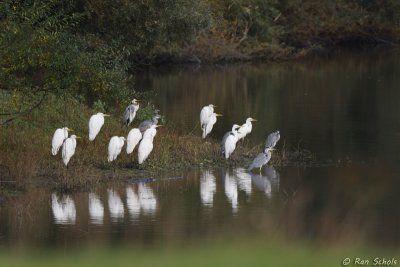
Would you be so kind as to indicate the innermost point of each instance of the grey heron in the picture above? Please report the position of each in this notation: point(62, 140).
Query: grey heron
point(261, 159)
point(272, 139)
point(130, 112)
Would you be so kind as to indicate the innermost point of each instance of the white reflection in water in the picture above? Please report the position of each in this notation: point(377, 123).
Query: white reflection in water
point(64, 210)
point(96, 209)
point(231, 190)
point(147, 199)
point(115, 205)
point(244, 180)
point(208, 188)
point(133, 203)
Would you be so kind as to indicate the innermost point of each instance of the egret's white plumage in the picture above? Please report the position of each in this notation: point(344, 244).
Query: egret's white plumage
point(134, 137)
point(210, 124)
point(95, 124)
point(68, 148)
point(205, 114)
point(115, 147)
point(246, 128)
point(58, 139)
point(230, 142)
point(146, 145)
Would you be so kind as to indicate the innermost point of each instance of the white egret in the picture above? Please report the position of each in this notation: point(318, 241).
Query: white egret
point(115, 147)
point(146, 145)
point(134, 137)
point(261, 159)
point(210, 124)
point(205, 114)
point(58, 139)
point(246, 128)
point(272, 139)
point(130, 113)
point(95, 124)
point(229, 141)
point(144, 125)
point(68, 148)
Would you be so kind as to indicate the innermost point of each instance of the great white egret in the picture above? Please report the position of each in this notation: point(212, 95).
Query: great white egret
point(115, 147)
point(95, 124)
point(130, 113)
point(229, 141)
point(210, 124)
point(68, 148)
point(272, 139)
point(146, 145)
point(205, 114)
point(58, 139)
point(261, 159)
point(134, 137)
point(246, 128)
point(143, 126)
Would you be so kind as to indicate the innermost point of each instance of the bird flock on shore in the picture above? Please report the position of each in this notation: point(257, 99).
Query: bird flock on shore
point(143, 136)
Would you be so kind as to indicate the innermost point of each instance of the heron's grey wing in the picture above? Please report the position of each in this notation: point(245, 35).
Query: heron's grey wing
point(126, 115)
point(224, 140)
point(143, 126)
point(270, 141)
point(258, 161)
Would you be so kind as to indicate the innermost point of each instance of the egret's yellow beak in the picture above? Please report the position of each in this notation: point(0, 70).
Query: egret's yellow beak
point(69, 130)
point(253, 120)
point(106, 115)
point(78, 137)
point(218, 115)
point(159, 126)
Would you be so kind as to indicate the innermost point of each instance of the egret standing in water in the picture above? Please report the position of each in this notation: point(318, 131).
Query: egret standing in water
point(143, 126)
point(210, 124)
point(134, 137)
point(68, 148)
point(272, 139)
point(146, 145)
point(229, 141)
point(115, 147)
point(261, 159)
point(130, 113)
point(205, 114)
point(58, 139)
point(246, 128)
point(95, 124)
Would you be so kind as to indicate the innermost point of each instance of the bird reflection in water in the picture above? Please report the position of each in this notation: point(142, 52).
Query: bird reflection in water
point(96, 209)
point(64, 210)
point(243, 180)
point(144, 201)
point(267, 182)
point(115, 205)
point(208, 187)
point(231, 190)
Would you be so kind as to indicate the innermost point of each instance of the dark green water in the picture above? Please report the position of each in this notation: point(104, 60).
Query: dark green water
point(344, 107)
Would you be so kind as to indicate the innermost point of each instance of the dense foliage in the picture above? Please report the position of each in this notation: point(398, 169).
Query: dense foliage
point(85, 48)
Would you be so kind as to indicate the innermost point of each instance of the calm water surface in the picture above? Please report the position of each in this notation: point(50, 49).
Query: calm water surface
point(343, 107)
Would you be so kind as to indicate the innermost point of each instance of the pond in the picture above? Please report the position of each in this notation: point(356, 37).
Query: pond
point(344, 107)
